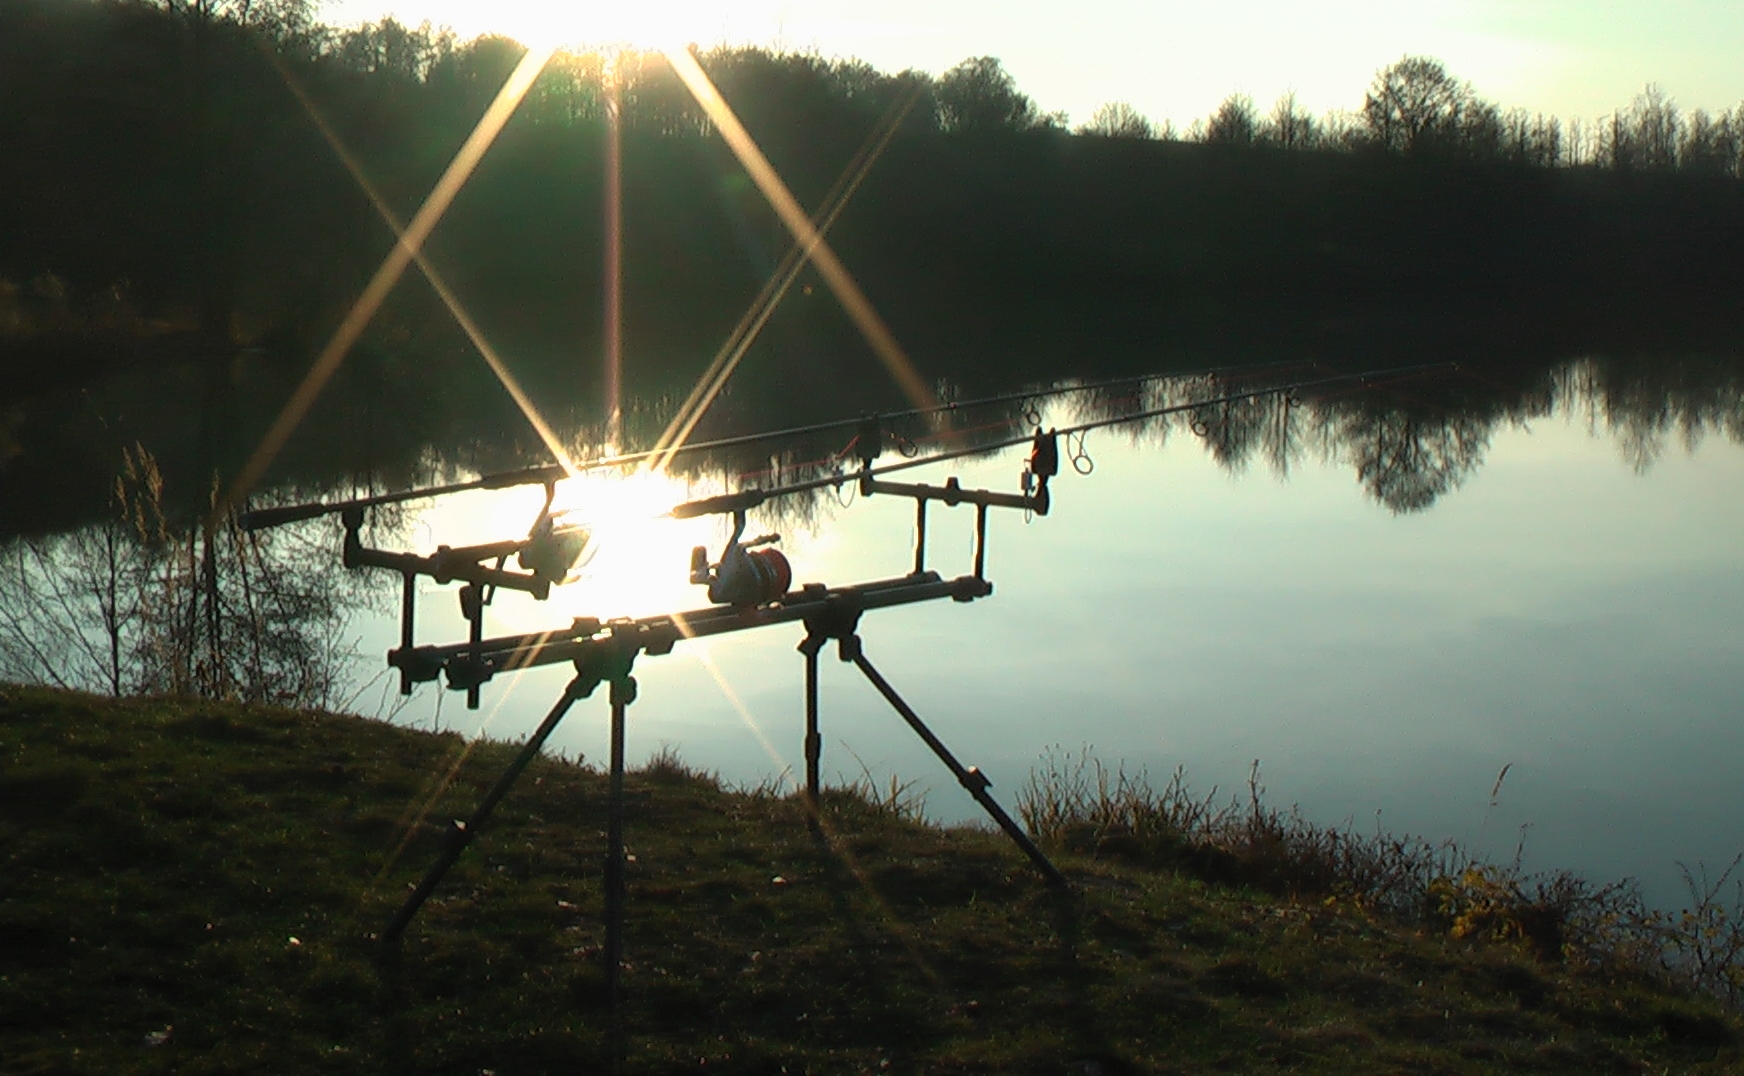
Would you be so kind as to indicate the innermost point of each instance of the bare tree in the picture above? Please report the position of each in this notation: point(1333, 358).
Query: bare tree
point(1234, 123)
point(1710, 144)
point(1415, 105)
point(1657, 125)
point(1344, 130)
point(1577, 145)
point(134, 605)
point(1480, 133)
point(1118, 119)
point(1289, 127)
point(1408, 462)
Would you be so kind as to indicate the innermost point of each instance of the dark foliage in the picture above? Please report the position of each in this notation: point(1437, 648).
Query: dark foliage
point(176, 233)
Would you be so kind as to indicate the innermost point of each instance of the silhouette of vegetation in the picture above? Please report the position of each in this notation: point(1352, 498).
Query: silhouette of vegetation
point(979, 95)
point(178, 238)
point(1289, 127)
point(1119, 120)
point(1074, 803)
point(137, 605)
point(193, 886)
point(1234, 123)
point(1416, 107)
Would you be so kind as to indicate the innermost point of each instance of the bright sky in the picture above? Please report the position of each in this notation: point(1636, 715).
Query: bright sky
point(1174, 60)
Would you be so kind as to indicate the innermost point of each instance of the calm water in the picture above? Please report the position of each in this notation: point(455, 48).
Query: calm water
point(1569, 608)
point(1384, 598)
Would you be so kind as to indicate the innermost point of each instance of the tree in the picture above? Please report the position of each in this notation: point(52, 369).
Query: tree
point(137, 605)
point(1235, 122)
point(284, 21)
point(1532, 140)
point(1289, 127)
point(1657, 129)
point(1481, 134)
point(980, 95)
point(391, 49)
point(1408, 462)
point(1118, 119)
point(1710, 144)
point(1415, 105)
point(1646, 136)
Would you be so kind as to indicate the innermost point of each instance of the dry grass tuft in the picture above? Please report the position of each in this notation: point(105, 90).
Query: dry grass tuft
point(1075, 803)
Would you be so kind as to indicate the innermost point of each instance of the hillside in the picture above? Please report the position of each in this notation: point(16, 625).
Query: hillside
point(192, 887)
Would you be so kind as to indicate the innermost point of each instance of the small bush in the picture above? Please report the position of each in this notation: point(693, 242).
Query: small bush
point(665, 767)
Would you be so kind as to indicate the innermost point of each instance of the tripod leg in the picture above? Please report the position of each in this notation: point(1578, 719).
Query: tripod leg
point(970, 778)
point(462, 833)
point(814, 743)
point(623, 693)
point(472, 603)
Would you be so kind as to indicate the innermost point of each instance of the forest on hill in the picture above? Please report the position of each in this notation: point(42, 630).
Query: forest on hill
point(169, 191)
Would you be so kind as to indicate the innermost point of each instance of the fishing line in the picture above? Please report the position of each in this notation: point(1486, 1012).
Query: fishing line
point(275, 516)
point(1155, 412)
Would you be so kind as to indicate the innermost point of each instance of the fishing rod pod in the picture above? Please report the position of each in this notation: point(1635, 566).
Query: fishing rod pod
point(746, 578)
point(751, 587)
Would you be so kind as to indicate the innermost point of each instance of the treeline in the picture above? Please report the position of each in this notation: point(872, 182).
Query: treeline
point(168, 188)
point(1415, 108)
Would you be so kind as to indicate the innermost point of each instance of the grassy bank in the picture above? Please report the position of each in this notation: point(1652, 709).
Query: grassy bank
point(192, 887)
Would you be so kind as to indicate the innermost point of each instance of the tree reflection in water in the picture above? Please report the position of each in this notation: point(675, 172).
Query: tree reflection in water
point(145, 599)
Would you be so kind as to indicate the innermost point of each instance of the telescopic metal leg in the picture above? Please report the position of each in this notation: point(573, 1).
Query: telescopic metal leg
point(461, 833)
point(969, 777)
point(472, 603)
point(623, 693)
point(814, 742)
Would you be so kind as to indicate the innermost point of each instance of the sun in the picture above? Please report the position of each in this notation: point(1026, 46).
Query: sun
point(641, 560)
point(639, 25)
point(636, 561)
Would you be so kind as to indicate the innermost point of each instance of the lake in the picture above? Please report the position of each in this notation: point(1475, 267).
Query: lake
point(1568, 608)
point(1384, 597)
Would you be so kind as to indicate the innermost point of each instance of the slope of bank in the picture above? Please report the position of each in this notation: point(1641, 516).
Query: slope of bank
point(193, 887)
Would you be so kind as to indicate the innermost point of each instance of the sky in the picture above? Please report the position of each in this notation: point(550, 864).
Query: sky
point(1176, 61)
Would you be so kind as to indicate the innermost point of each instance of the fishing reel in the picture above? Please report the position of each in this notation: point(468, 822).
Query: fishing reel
point(553, 550)
point(745, 576)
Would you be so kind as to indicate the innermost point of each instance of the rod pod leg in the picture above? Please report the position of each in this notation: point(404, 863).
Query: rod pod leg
point(814, 742)
point(623, 693)
point(969, 777)
point(461, 833)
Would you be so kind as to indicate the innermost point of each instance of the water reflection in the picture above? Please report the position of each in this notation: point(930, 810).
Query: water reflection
point(392, 421)
point(1386, 594)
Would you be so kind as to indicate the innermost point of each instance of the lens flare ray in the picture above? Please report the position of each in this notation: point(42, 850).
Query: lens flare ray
point(835, 274)
point(422, 261)
point(744, 334)
point(614, 258)
point(707, 662)
point(387, 275)
point(425, 801)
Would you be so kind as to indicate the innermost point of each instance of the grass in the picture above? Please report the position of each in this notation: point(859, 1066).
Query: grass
point(193, 887)
point(1074, 802)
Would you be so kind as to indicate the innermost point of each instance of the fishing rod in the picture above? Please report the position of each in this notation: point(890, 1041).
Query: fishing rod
point(752, 497)
point(550, 473)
